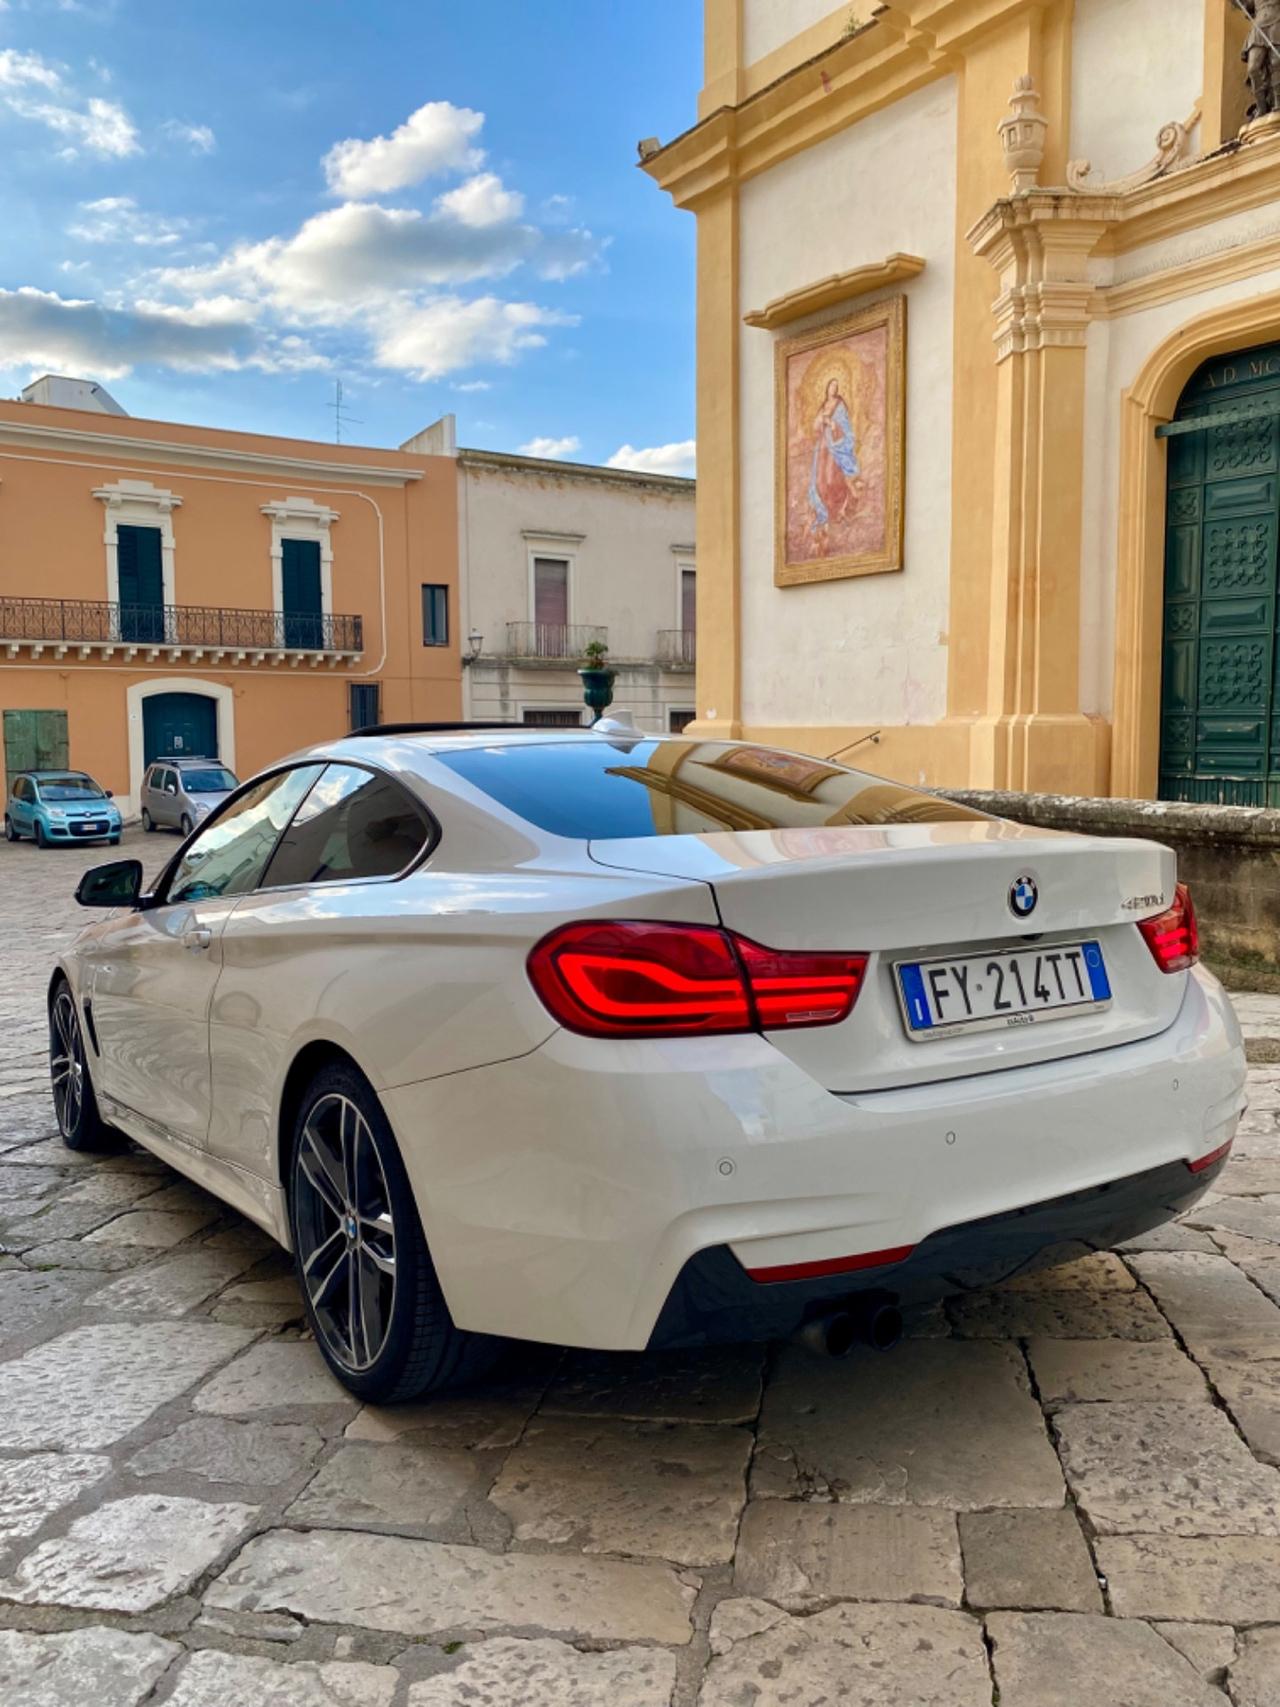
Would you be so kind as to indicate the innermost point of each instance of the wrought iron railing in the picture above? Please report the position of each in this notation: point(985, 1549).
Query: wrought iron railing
point(677, 646)
point(95, 621)
point(552, 639)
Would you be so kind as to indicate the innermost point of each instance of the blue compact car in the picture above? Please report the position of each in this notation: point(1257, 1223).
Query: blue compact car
point(60, 806)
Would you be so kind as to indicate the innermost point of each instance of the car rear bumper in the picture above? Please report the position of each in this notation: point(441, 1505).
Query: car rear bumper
point(715, 1301)
point(565, 1194)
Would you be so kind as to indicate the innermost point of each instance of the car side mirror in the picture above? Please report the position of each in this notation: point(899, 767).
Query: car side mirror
point(116, 885)
point(169, 788)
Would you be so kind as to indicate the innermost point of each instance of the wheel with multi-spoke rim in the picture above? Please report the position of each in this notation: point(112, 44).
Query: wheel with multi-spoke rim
point(81, 1125)
point(366, 1275)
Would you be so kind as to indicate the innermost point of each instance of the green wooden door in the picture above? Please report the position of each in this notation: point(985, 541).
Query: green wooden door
point(301, 590)
point(179, 726)
point(140, 575)
point(1220, 706)
point(35, 741)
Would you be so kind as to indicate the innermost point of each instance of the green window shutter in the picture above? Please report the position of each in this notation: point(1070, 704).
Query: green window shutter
point(301, 595)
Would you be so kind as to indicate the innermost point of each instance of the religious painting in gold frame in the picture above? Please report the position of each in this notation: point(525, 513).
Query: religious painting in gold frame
point(840, 437)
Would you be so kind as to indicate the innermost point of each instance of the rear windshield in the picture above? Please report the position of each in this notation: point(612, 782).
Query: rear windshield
point(69, 788)
point(215, 780)
point(594, 790)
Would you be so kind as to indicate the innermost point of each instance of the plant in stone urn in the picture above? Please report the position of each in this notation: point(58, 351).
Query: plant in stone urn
point(597, 678)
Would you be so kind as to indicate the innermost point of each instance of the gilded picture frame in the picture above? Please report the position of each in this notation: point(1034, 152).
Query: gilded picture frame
point(840, 447)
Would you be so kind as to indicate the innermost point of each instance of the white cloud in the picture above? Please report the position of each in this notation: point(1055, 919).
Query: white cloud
point(482, 200)
point(446, 333)
point(32, 88)
point(347, 257)
point(436, 138)
point(119, 219)
point(39, 329)
point(658, 459)
point(198, 137)
point(26, 70)
point(551, 447)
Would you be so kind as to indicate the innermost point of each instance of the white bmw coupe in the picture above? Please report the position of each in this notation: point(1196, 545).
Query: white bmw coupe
point(609, 1040)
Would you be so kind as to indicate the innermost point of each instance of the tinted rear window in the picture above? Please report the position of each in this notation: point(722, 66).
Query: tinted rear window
point(598, 789)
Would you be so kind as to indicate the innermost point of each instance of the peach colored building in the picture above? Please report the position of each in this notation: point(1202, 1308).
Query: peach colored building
point(168, 589)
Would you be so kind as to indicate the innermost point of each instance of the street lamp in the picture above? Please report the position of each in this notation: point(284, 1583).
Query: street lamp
point(475, 640)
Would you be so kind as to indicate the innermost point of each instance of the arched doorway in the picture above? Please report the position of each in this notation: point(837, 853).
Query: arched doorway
point(179, 725)
point(1220, 695)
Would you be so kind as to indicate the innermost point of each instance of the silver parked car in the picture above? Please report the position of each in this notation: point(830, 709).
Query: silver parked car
point(178, 794)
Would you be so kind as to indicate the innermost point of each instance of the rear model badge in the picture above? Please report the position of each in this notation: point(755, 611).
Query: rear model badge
point(1023, 896)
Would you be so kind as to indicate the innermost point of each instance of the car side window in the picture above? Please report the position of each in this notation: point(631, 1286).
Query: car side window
point(354, 824)
point(229, 856)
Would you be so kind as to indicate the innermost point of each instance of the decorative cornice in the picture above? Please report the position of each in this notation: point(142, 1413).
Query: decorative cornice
point(839, 288)
point(1172, 147)
point(501, 462)
point(102, 448)
point(301, 510)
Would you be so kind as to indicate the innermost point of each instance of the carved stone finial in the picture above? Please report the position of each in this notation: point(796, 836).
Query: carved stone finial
point(1022, 135)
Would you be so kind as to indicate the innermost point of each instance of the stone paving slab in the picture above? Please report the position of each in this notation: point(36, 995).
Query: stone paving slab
point(129, 1555)
point(1061, 1659)
point(273, 1376)
point(399, 1485)
point(1225, 1579)
point(211, 1679)
point(801, 1554)
point(217, 1449)
point(1165, 1469)
point(720, 1384)
point(1254, 1674)
point(882, 1656)
point(1037, 1560)
point(424, 1587)
point(655, 1490)
point(172, 1287)
point(94, 1385)
point(1210, 1648)
point(939, 1422)
point(1215, 1308)
point(93, 1667)
point(549, 1674)
point(33, 1488)
point(1093, 1371)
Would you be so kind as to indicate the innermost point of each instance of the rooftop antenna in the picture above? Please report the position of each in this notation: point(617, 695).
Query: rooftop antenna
point(340, 413)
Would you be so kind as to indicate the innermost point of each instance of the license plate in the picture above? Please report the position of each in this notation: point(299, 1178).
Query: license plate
point(983, 992)
point(89, 829)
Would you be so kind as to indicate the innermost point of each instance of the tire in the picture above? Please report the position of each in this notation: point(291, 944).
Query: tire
point(341, 1135)
point(187, 826)
point(42, 841)
point(113, 841)
point(147, 824)
point(79, 1121)
point(10, 834)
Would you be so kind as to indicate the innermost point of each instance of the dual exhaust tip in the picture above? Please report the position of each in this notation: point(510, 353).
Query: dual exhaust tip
point(834, 1334)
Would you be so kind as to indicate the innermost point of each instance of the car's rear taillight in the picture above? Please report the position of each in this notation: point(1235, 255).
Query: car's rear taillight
point(628, 978)
point(1174, 937)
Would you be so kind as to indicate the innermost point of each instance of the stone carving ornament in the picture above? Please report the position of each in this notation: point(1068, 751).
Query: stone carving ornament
point(1172, 145)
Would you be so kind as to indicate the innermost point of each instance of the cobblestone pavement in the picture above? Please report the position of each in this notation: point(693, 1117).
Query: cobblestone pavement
point(1062, 1492)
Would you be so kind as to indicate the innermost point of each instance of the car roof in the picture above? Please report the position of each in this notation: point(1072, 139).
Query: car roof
point(65, 770)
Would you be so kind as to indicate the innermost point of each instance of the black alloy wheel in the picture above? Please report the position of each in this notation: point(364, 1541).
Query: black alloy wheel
point(370, 1288)
point(79, 1121)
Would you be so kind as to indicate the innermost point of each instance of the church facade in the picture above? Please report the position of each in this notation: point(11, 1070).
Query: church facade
point(988, 341)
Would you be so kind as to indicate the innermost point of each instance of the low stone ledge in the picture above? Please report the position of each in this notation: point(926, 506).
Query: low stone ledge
point(1230, 855)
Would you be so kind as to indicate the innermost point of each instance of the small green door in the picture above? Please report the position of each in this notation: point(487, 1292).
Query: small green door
point(35, 741)
point(140, 573)
point(1220, 707)
point(179, 726)
point(300, 588)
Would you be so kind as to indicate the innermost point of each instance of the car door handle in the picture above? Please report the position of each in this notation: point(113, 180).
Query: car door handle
point(200, 937)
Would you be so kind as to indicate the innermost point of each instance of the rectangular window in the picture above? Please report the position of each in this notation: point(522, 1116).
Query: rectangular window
point(435, 614)
point(551, 591)
point(679, 721)
point(552, 717)
point(365, 707)
point(689, 600)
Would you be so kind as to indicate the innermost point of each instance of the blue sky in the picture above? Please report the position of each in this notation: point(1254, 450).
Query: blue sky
point(218, 209)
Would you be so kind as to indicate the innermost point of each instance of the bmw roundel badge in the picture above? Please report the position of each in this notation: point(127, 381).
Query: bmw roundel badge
point(1023, 896)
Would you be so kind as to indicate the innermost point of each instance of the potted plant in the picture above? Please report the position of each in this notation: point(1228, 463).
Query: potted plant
point(597, 678)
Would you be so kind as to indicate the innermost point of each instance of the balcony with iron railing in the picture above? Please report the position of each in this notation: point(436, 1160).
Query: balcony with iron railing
point(567, 641)
point(677, 646)
point(195, 632)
